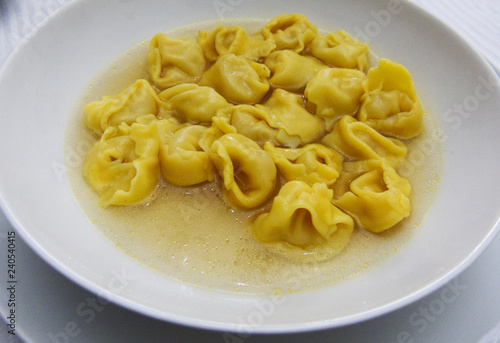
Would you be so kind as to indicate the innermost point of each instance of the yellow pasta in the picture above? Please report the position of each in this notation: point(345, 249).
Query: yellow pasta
point(296, 125)
point(303, 223)
point(172, 61)
point(335, 92)
point(339, 49)
point(291, 71)
point(183, 162)
point(123, 166)
point(286, 122)
point(250, 121)
point(390, 104)
point(137, 100)
point(248, 172)
point(313, 163)
point(357, 141)
point(234, 40)
point(273, 122)
point(192, 103)
point(237, 79)
point(374, 194)
point(290, 31)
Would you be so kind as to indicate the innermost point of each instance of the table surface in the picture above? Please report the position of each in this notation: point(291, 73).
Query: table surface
point(48, 302)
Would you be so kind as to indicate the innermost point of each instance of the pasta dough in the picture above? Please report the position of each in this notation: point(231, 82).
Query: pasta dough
point(137, 100)
point(291, 71)
point(303, 223)
point(390, 103)
point(123, 166)
point(279, 121)
point(313, 163)
point(248, 172)
point(250, 121)
point(296, 125)
point(192, 103)
point(374, 194)
point(290, 31)
point(357, 141)
point(172, 61)
point(234, 40)
point(335, 92)
point(183, 162)
point(237, 79)
point(339, 49)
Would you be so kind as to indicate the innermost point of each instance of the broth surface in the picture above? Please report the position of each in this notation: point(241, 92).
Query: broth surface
point(190, 234)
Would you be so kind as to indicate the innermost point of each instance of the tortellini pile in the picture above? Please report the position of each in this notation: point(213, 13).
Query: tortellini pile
point(298, 124)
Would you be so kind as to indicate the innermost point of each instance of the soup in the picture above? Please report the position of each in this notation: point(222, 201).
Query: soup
point(192, 234)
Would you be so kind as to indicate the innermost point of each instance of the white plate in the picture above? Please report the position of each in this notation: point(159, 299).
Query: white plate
point(46, 74)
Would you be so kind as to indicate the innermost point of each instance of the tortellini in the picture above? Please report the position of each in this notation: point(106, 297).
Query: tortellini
point(290, 31)
point(282, 120)
point(238, 79)
point(123, 166)
point(339, 49)
point(192, 103)
point(172, 61)
point(374, 194)
point(291, 71)
point(297, 126)
point(287, 123)
point(248, 172)
point(313, 163)
point(250, 121)
point(137, 100)
point(234, 40)
point(335, 92)
point(303, 222)
point(357, 141)
point(390, 103)
point(183, 161)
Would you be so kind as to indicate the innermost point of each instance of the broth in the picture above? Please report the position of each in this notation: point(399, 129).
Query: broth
point(190, 234)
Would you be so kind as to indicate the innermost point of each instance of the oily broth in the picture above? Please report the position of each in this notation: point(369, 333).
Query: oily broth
point(191, 234)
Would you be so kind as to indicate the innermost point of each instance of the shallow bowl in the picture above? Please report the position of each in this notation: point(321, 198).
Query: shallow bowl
point(46, 74)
